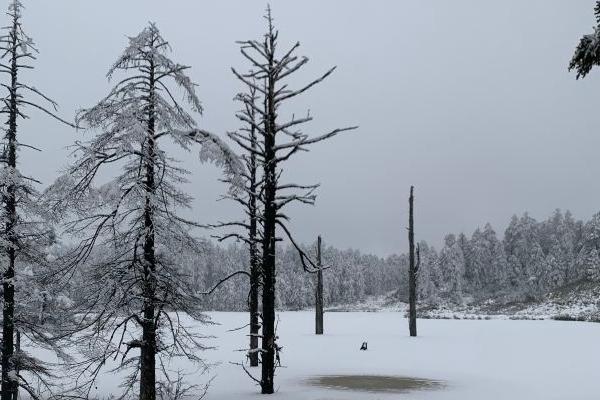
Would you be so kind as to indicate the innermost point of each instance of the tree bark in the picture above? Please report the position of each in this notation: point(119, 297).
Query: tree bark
point(269, 239)
point(268, 292)
point(412, 270)
point(319, 293)
point(253, 306)
point(148, 346)
point(254, 314)
point(9, 384)
point(17, 350)
point(254, 257)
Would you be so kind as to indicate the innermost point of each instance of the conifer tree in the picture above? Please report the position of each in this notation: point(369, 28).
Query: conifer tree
point(129, 228)
point(587, 53)
point(25, 235)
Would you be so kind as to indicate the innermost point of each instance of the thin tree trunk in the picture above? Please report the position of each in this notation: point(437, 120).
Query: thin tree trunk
point(270, 218)
point(268, 294)
point(268, 331)
point(254, 314)
point(9, 381)
point(412, 270)
point(253, 303)
point(319, 293)
point(268, 290)
point(148, 346)
point(254, 257)
point(17, 350)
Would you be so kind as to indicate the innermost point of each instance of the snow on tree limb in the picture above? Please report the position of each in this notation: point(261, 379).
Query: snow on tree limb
point(128, 230)
point(214, 150)
point(587, 53)
point(26, 238)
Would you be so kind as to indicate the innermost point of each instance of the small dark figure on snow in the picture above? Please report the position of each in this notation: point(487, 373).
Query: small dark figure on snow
point(363, 346)
point(277, 359)
point(277, 350)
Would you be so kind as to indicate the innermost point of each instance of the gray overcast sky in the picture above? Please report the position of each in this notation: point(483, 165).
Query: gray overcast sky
point(470, 101)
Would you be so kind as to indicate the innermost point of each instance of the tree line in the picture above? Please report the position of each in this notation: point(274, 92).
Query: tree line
point(530, 259)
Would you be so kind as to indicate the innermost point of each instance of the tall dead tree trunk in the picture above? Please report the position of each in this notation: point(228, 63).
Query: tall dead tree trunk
point(319, 292)
point(272, 70)
point(148, 345)
point(252, 239)
point(270, 221)
point(248, 196)
point(413, 268)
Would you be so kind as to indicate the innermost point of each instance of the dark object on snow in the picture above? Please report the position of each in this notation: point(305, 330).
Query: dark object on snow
point(277, 351)
point(363, 346)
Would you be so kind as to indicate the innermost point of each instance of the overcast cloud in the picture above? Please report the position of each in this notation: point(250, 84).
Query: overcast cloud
point(470, 101)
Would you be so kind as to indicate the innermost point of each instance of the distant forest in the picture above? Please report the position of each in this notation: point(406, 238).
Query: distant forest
point(531, 259)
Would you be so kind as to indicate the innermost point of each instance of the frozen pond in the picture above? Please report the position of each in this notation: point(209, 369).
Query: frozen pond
point(375, 383)
point(477, 359)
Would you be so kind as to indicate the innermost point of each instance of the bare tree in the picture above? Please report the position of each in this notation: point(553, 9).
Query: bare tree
point(413, 268)
point(278, 141)
point(247, 198)
point(253, 233)
point(25, 235)
point(129, 228)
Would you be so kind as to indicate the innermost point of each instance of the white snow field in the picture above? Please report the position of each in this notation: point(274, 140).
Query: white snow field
point(478, 359)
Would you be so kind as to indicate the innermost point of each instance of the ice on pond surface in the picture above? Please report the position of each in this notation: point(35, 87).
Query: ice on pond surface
point(375, 383)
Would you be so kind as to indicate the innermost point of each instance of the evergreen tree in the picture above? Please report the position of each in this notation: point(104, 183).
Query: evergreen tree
point(587, 53)
point(129, 228)
point(25, 235)
point(452, 266)
point(489, 262)
point(429, 277)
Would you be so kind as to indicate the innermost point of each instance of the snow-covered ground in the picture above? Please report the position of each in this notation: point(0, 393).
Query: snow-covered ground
point(478, 359)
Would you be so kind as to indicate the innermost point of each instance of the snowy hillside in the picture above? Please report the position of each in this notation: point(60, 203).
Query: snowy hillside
point(576, 302)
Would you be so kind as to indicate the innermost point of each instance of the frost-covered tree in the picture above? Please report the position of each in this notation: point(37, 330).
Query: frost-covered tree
point(452, 266)
point(587, 263)
point(130, 232)
point(279, 139)
point(525, 255)
point(587, 53)
point(529, 262)
point(429, 277)
point(488, 263)
point(558, 237)
point(24, 234)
